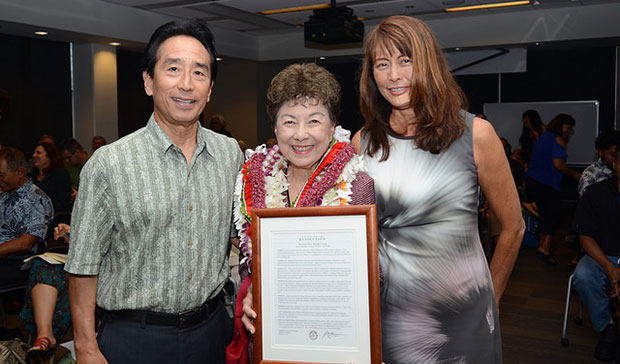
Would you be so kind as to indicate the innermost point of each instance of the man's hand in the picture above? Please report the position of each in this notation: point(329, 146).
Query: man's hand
point(82, 297)
point(613, 273)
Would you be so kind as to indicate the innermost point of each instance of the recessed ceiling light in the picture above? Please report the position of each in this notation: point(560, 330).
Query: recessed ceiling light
point(219, 59)
point(40, 32)
point(409, 6)
point(322, 57)
point(116, 44)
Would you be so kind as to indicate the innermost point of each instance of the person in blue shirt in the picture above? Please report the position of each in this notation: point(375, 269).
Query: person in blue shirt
point(25, 212)
point(544, 177)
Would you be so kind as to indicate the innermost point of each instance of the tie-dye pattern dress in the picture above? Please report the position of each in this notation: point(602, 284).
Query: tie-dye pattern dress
point(437, 301)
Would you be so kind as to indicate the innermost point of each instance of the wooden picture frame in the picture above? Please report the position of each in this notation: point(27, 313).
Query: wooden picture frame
point(315, 287)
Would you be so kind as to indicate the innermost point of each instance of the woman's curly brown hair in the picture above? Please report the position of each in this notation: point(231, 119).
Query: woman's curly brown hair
point(304, 83)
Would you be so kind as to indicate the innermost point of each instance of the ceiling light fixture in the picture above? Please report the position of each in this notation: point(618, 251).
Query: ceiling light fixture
point(489, 6)
point(292, 10)
point(116, 44)
point(40, 32)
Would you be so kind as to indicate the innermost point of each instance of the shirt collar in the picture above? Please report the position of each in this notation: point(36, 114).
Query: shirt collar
point(163, 143)
point(601, 166)
point(27, 186)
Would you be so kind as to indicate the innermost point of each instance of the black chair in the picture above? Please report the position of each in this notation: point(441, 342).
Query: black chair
point(20, 285)
point(6, 289)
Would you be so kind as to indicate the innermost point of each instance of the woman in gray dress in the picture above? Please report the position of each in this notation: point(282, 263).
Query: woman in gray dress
point(429, 159)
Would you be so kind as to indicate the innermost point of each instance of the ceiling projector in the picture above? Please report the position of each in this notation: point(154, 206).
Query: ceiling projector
point(334, 25)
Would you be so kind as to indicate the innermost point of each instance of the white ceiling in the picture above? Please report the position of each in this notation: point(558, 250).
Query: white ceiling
point(243, 15)
point(241, 31)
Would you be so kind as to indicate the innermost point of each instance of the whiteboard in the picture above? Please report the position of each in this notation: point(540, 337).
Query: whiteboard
point(506, 119)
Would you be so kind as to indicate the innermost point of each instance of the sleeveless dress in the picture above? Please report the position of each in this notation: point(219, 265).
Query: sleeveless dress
point(437, 301)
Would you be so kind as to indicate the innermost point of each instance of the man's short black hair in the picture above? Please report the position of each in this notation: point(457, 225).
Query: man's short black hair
point(71, 145)
point(194, 28)
point(607, 139)
point(14, 158)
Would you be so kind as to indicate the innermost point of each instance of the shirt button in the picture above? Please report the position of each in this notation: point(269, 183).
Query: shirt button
point(191, 208)
point(189, 276)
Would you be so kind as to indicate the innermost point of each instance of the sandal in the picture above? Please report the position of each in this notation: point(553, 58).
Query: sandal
point(549, 258)
point(41, 350)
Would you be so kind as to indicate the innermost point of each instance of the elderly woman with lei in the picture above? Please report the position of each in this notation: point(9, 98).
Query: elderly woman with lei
point(312, 164)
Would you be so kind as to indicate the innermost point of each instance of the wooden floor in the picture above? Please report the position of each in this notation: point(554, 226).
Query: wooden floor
point(532, 309)
point(531, 313)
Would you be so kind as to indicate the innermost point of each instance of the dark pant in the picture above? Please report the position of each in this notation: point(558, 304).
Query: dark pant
point(125, 341)
point(548, 202)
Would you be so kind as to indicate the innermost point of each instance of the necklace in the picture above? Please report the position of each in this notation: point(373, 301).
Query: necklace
point(262, 183)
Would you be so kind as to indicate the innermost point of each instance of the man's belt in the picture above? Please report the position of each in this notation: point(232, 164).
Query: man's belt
point(181, 320)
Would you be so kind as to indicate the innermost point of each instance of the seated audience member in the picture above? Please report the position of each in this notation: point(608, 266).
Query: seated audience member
point(533, 127)
point(242, 146)
point(515, 167)
point(217, 123)
point(25, 213)
point(50, 175)
point(98, 142)
point(517, 171)
point(46, 138)
point(606, 146)
point(75, 157)
point(271, 142)
point(46, 308)
point(597, 223)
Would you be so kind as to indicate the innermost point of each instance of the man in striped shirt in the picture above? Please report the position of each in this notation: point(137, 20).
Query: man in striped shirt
point(152, 221)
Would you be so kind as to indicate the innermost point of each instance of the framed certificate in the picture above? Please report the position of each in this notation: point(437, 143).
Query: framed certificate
point(315, 278)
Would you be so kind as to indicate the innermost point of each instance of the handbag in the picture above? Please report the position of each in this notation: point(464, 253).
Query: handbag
point(13, 352)
point(237, 351)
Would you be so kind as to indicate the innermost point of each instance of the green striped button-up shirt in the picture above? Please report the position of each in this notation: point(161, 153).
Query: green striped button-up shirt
point(155, 230)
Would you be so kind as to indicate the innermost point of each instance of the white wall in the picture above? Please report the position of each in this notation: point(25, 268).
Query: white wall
point(95, 110)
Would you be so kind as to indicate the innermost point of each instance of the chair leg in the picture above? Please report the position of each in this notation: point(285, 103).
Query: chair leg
point(564, 340)
point(579, 319)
